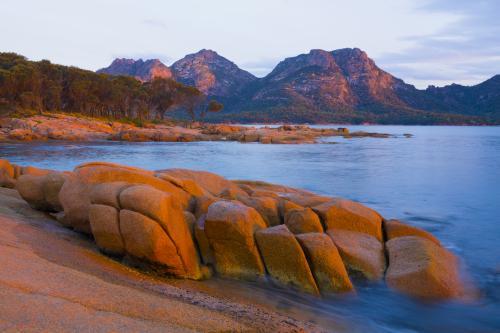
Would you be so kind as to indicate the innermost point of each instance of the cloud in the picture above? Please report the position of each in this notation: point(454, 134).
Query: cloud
point(155, 24)
point(466, 51)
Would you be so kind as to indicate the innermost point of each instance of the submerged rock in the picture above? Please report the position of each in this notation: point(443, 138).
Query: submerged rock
point(421, 268)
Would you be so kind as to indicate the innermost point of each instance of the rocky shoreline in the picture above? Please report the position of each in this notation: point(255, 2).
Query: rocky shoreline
point(195, 224)
point(55, 126)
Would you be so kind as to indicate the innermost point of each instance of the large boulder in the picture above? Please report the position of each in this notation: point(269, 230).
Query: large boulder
point(266, 206)
point(7, 174)
point(284, 259)
point(395, 228)
point(159, 206)
point(105, 226)
point(362, 254)
point(306, 199)
point(230, 228)
point(108, 193)
point(325, 262)
point(420, 268)
point(349, 215)
point(34, 171)
point(6, 180)
point(145, 239)
point(303, 221)
point(286, 206)
point(188, 185)
point(7, 167)
point(42, 192)
point(76, 190)
point(52, 184)
point(211, 182)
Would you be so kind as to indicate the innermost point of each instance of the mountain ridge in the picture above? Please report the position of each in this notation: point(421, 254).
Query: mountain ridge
point(336, 83)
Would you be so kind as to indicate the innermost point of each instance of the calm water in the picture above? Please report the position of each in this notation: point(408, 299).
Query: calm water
point(444, 179)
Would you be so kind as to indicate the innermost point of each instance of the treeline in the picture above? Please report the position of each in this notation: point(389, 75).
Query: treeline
point(43, 86)
point(373, 115)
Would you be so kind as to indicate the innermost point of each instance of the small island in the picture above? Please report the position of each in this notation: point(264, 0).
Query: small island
point(58, 126)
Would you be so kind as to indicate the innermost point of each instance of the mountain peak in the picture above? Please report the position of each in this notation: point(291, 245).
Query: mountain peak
point(140, 69)
point(211, 73)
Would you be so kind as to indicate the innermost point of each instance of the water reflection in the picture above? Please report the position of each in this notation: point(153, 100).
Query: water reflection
point(444, 179)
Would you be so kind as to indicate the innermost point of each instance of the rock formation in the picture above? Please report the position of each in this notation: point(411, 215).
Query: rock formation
point(191, 224)
point(141, 70)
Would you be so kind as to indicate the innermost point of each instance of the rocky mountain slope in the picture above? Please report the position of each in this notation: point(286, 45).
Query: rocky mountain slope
point(212, 74)
point(141, 70)
point(343, 85)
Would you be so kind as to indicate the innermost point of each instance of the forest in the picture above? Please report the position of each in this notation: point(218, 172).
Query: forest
point(42, 86)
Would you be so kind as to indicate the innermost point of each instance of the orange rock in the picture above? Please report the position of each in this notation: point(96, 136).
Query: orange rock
point(105, 226)
point(159, 206)
point(209, 181)
point(284, 259)
point(360, 252)
point(264, 193)
point(306, 200)
point(30, 170)
point(31, 190)
point(108, 193)
point(266, 206)
point(42, 192)
point(231, 193)
point(6, 180)
point(286, 206)
point(7, 167)
point(395, 228)
point(230, 228)
point(421, 268)
point(202, 204)
point(350, 215)
point(145, 239)
point(325, 262)
point(303, 221)
point(188, 185)
point(75, 192)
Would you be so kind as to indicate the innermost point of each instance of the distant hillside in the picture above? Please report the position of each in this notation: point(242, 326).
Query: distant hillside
point(339, 86)
point(141, 70)
point(43, 86)
point(212, 74)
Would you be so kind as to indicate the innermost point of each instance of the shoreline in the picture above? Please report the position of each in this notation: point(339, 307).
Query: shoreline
point(113, 295)
point(62, 127)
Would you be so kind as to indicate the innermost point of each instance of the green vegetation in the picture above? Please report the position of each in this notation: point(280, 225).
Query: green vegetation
point(41, 86)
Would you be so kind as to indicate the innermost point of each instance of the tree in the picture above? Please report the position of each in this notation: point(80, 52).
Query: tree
point(212, 106)
point(44, 86)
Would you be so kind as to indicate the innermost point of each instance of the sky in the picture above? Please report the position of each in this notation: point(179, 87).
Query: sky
point(424, 42)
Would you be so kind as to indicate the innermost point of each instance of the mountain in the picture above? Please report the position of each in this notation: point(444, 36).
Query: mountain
point(343, 85)
point(212, 74)
point(141, 70)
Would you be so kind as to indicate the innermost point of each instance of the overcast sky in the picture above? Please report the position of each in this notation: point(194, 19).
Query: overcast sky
point(421, 41)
